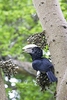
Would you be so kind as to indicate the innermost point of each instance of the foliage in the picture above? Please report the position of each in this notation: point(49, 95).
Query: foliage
point(18, 20)
point(63, 4)
point(27, 89)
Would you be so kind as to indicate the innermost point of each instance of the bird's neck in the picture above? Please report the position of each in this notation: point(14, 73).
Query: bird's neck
point(36, 58)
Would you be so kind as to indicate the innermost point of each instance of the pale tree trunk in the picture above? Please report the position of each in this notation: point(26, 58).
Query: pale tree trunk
point(2, 88)
point(55, 26)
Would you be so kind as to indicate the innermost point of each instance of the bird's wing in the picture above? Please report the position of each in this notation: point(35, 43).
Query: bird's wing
point(42, 65)
point(36, 65)
point(46, 62)
point(51, 76)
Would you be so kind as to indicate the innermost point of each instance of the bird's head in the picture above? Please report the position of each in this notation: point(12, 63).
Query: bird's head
point(33, 50)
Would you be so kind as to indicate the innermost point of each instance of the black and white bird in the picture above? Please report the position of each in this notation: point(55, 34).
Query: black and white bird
point(43, 66)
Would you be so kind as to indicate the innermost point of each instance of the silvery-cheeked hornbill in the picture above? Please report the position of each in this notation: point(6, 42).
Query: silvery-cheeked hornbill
point(41, 65)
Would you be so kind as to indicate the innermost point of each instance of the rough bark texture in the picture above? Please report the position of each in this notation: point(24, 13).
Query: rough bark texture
point(55, 26)
point(2, 88)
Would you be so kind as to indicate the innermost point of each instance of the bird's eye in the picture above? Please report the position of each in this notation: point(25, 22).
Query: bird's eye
point(33, 50)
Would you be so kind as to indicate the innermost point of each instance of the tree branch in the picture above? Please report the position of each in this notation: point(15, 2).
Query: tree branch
point(25, 67)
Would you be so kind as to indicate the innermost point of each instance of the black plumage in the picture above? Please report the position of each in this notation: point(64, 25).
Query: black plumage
point(42, 64)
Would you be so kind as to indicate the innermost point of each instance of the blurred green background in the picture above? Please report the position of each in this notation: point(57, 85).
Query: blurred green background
point(18, 20)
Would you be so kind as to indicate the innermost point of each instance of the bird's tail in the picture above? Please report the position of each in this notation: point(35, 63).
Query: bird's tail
point(51, 76)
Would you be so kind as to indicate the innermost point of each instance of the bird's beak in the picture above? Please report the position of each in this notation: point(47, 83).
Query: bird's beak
point(28, 48)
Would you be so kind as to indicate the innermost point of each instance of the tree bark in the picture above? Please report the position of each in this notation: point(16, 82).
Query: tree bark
point(2, 88)
point(55, 26)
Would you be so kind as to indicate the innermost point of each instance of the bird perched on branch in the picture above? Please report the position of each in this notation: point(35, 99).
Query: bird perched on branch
point(43, 65)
